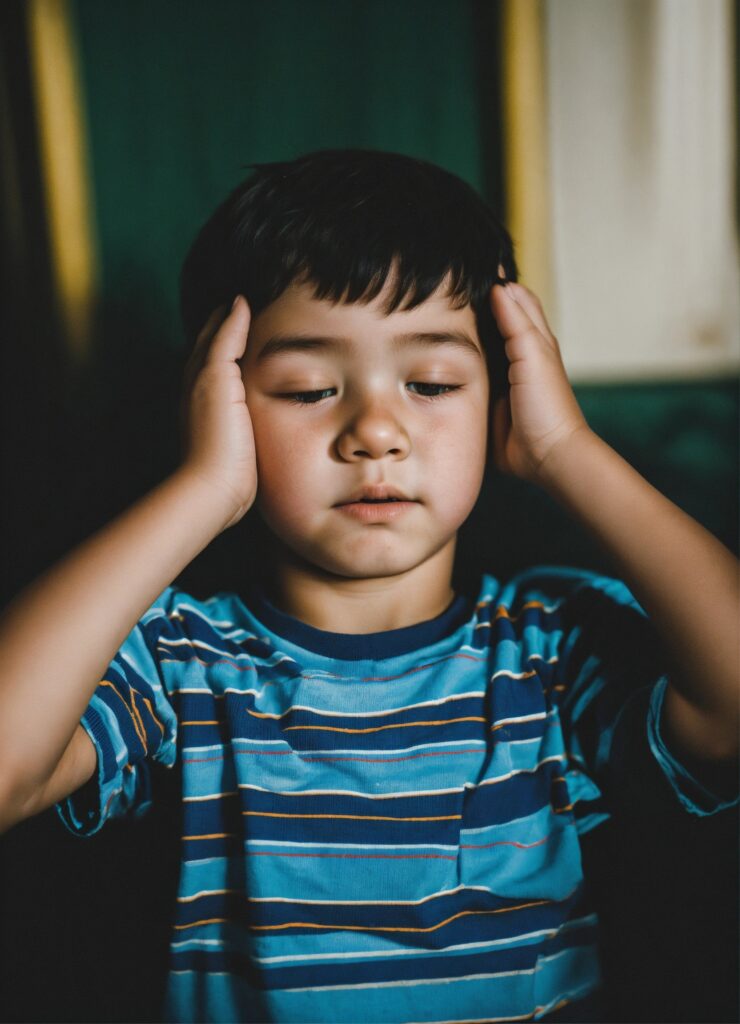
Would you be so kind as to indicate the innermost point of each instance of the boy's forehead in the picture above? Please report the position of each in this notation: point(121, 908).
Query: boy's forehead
point(297, 308)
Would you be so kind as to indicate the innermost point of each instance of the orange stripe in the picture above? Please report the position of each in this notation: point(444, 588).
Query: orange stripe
point(213, 835)
point(134, 695)
point(362, 928)
point(210, 920)
point(107, 682)
point(503, 842)
point(380, 728)
point(380, 928)
point(151, 712)
point(502, 612)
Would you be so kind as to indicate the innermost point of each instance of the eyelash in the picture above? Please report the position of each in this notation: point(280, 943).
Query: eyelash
point(296, 399)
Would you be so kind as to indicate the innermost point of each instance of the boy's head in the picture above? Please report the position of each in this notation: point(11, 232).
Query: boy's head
point(342, 219)
point(360, 246)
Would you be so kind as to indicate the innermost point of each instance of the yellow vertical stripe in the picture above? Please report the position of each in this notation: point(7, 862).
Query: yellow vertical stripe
point(63, 148)
point(526, 161)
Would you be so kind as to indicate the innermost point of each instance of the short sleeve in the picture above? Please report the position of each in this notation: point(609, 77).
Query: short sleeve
point(609, 682)
point(130, 721)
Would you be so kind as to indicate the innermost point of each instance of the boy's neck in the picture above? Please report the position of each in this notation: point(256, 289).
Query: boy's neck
point(339, 604)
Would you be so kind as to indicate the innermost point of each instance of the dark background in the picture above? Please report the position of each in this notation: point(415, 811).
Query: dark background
point(179, 96)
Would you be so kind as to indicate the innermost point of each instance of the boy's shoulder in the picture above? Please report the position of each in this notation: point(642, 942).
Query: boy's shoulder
point(554, 585)
point(544, 598)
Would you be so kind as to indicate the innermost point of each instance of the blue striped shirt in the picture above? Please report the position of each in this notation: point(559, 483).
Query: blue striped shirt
point(383, 827)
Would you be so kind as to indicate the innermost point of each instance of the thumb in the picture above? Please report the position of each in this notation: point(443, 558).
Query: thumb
point(230, 341)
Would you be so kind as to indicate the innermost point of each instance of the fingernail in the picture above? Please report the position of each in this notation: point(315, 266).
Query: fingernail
point(233, 304)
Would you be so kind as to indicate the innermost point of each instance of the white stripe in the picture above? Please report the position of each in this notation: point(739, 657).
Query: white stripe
point(349, 714)
point(353, 846)
point(527, 674)
point(404, 793)
point(371, 903)
point(525, 718)
point(374, 796)
point(189, 642)
point(221, 623)
point(415, 981)
point(356, 751)
point(209, 796)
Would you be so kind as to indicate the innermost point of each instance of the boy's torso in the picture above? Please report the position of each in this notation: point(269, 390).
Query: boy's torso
point(390, 838)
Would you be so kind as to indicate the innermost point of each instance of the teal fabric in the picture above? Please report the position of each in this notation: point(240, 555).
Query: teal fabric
point(388, 826)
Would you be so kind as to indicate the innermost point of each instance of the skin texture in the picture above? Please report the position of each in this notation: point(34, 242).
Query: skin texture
point(374, 425)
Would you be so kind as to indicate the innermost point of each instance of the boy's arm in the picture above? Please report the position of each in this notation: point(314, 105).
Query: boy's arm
point(60, 634)
point(686, 579)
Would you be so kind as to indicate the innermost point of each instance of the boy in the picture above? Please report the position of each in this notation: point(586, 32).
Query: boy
point(384, 781)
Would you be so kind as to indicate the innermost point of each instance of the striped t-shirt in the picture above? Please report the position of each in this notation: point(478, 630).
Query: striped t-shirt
point(383, 827)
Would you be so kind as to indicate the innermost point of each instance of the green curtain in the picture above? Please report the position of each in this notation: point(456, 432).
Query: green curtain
point(182, 94)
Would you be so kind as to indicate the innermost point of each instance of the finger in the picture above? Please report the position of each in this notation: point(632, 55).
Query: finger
point(511, 317)
point(533, 307)
point(514, 320)
point(230, 341)
point(517, 294)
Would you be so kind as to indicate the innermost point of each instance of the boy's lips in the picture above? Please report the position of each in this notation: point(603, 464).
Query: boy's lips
point(379, 508)
point(371, 512)
point(375, 492)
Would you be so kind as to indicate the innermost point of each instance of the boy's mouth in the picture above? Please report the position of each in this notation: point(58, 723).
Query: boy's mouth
point(375, 494)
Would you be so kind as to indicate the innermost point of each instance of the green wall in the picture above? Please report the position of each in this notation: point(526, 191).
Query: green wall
point(181, 95)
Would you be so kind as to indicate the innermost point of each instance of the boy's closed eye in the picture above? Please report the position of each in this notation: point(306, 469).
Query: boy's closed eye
point(425, 389)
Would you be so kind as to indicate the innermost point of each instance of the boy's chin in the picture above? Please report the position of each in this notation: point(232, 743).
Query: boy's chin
point(369, 563)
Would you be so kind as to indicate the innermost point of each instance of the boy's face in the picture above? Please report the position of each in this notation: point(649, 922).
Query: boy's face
point(373, 423)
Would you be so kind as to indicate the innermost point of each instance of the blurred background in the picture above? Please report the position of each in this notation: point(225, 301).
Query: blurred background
point(603, 132)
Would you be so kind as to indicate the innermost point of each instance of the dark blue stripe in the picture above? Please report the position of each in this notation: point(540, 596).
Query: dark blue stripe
point(358, 971)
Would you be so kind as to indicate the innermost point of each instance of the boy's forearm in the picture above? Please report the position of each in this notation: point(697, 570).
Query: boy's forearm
point(684, 577)
point(61, 632)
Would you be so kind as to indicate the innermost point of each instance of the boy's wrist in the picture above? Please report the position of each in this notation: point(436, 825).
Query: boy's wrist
point(213, 506)
point(556, 471)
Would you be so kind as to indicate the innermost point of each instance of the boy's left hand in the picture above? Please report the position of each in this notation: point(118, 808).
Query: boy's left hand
point(540, 411)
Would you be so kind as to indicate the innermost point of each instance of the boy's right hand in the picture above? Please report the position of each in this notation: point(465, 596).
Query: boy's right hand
point(218, 441)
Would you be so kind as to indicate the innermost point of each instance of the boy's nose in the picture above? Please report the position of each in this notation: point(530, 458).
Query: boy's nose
point(373, 435)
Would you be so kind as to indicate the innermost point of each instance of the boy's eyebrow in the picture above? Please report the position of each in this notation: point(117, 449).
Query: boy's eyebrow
point(280, 343)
